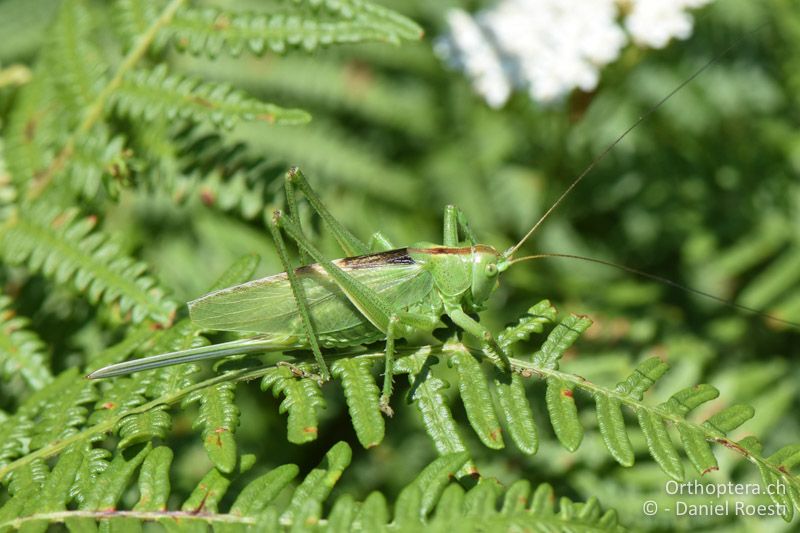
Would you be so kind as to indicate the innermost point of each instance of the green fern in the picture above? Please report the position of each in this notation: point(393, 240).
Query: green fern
point(303, 398)
point(52, 423)
point(219, 417)
point(65, 247)
point(76, 66)
point(21, 350)
point(431, 501)
point(99, 163)
point(147, 95)
point(131, 171)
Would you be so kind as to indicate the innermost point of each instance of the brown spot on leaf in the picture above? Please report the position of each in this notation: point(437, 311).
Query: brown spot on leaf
point(310, 429)
point(661, 352)
point(216, 438)
point(59, 221)
point(568, 393)
point(202, 504)
point(222, 22)
point(267, 117)
point(205, 102)
point(732, 446)
point(109, 405)
point(207, 197)
point(358, 77)
point(30, 130)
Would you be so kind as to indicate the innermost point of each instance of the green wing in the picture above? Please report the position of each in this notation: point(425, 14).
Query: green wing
point(267, 305)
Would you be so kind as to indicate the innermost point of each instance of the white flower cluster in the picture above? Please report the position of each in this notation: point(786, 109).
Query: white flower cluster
point(549, 47)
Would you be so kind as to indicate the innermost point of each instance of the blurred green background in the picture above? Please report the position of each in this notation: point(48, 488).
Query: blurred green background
point(705, 192)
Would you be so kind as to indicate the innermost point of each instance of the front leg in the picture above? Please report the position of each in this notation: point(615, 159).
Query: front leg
point(493, 350)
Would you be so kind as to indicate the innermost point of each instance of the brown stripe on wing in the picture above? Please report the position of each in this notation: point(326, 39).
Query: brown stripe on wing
point(444, 250)
point(392, 257)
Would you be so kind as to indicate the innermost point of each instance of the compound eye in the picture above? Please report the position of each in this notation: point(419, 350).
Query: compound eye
point(491, 269)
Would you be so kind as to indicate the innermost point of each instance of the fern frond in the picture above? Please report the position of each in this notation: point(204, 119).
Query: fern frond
point(474, 391)
point(107, 487)
point(211, 30)
point(259, 493)
point(773, 470)
point(61, 415)
point(67, 78)
point(143, 427)
point(132, 19)
point(54, 493)
point(23, 487)
point(17, 430)
point(136, 337)
point(319, 483)
point(351, 87)
point(426, 393)
point(151, 94)
point(219, 417)
point(22, 25)
point(8, 192)
point(21, 350)
point(433, 501)
point(303, 399)
point(516, 411)
point(23, 432)
point(76, 67)
point(94, 111)
point(94, 462)
point(154, 485)
point(328, 151)
point(123, 405)
point(363, 403)
point(561, 338)
point(32, 131)
point(99, 161)
point(563, 413)
point(228, 176)
point(534, 321)
point(65, 247)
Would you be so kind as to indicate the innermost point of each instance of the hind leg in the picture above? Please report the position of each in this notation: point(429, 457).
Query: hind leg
point(379, 243)
point(455, 225)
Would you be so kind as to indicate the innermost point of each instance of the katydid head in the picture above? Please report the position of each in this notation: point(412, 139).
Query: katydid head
point(485, 268)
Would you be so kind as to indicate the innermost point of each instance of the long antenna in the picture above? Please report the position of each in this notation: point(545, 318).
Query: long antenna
point(660, 279)
point(510, 252)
